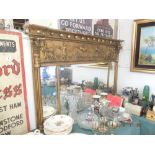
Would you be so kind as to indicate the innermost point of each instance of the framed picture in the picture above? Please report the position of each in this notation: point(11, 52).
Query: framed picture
point(105, 28)
point(143, 46)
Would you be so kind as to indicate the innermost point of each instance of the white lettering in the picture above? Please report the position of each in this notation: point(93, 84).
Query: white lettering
point(64, 22)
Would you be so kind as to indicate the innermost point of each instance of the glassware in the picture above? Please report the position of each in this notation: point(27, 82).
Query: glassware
point(64, 103)
point(146, 92)
point(87, 118)
point(101, 127)
point(103, 95)
point(113, 123)
point(96, 83)
point(113, 119)
point(96, 97)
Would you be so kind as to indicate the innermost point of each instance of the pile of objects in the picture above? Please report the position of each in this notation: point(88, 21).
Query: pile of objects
point(101, 118)
point(58, 125)
point(144, 106)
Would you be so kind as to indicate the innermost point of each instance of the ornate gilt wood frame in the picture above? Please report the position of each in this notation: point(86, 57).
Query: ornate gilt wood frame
point(55, 47)
point(136, 32)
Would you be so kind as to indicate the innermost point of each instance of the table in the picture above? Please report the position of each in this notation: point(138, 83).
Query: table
point(140, 126)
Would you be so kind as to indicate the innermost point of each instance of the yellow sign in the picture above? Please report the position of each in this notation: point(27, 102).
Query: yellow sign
point(14, 118)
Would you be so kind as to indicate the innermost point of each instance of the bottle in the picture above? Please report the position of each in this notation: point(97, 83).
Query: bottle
point(146, 92)
point(96, 83)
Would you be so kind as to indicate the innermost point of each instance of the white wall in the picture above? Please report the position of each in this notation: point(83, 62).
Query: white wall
point(29, 80)
point(51, 23)
point(88, 74)
point(125, 77)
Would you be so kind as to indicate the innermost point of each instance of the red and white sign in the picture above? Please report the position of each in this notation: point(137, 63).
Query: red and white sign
point(14, 118)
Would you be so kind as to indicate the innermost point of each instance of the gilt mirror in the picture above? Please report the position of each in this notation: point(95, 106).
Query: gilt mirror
point(60, 60)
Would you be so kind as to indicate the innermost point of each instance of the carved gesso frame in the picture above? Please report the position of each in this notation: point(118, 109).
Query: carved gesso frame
point(55, 47)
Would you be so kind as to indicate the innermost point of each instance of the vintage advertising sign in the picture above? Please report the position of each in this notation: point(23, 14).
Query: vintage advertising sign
point(83, 26)
point(14, 118)
point(103, 28)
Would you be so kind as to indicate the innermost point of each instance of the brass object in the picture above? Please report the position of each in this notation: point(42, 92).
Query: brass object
point(98, 65)
point(133, 68)
point(58, 86)
point(54, 47)
point(108, 75)
point(150, 115)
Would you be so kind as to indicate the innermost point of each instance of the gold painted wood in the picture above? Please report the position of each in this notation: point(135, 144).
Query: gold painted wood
point(150, 115)
point(115, 77)
point(108, 74)
point(55, 47)
point(37, 84)
point(65, 47)
point(58, 88)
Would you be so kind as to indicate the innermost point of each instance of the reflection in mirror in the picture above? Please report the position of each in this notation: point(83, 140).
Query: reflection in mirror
point(49, 90)
point(78, 84)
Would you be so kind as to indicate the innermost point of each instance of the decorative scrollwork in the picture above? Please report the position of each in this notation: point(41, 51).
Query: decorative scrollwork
point(36, 60)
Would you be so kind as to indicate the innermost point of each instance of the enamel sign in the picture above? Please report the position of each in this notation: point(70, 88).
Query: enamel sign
point(14, 118)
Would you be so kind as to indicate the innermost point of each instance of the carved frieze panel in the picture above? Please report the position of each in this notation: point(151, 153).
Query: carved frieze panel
point(55, 46)
point(56, 51)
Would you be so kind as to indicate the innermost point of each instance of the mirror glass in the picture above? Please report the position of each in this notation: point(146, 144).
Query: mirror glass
point(77, 84)
point(49, 90)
